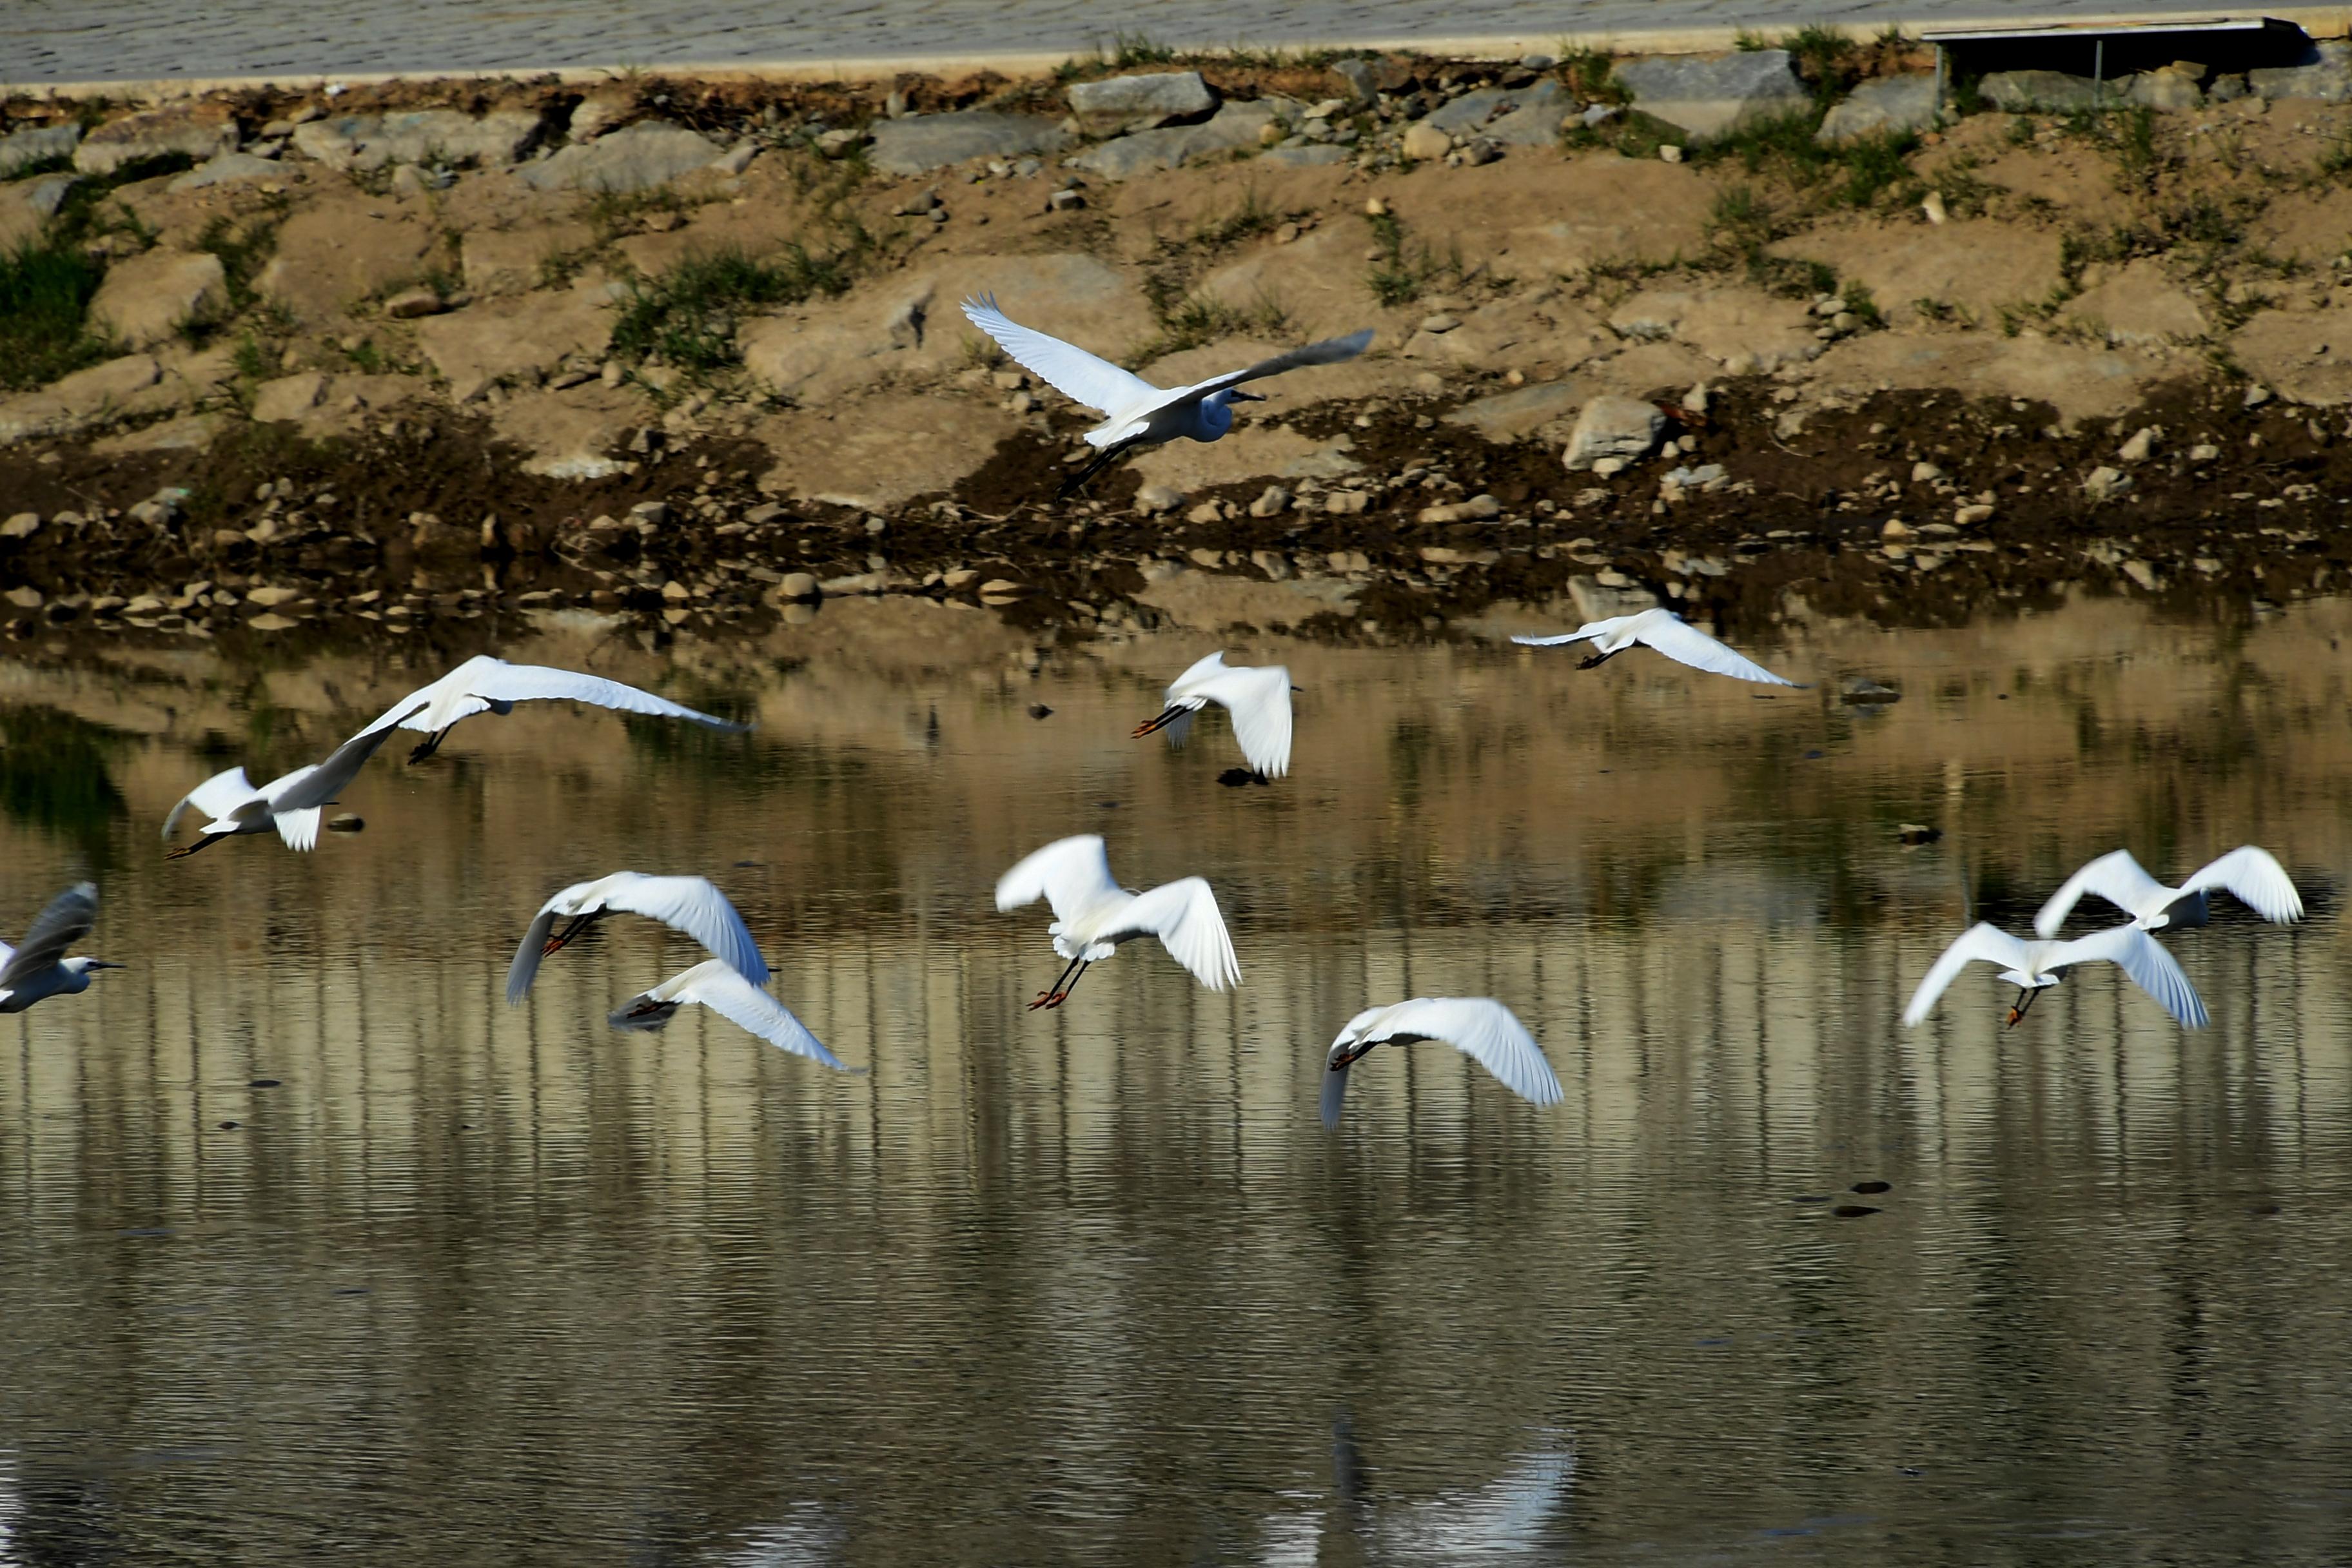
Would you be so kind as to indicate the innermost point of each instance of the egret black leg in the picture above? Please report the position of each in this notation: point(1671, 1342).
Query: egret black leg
point(1053, 994)
point(1594, 660)
point(1064, 993)
point(185, 850)
point(431, 744)
point(1101, 461)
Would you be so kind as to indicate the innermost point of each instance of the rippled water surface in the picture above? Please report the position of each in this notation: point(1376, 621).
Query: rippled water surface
point(312, 1248)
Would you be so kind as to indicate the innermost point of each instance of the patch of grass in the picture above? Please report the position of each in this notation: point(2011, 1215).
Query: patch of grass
point(2335, 158)
point(1405, 267)
point(1137, 49)
point(1193, 319)
point(1856, 298)
point(1591, 74)
point(611, 214)
point(1854, 173)
point(686, 318)
point(1741, 221)
point(1826, 60)
point(1748, 43)
point(1252, 218)
point(56, 163)
point(45, 287)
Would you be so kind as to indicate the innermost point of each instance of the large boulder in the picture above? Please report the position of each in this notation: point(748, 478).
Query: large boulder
point(1883, 106)
point(2019, 91)
point(2138, 305)
point(513, 340)
point(2164, 88)
point(2304, 355)
point(1704, 97)
point(636, 158)
point(330, 255)
point(921, 142)
point(494, 141)
point(514, 260)
point(1617, 430)
point(1121, 103)
point(199, 129)
point(228, 169)
point(36, 144)
point(1231, 129)
point(147, 298)
point(80, 399)
point(2325, 73)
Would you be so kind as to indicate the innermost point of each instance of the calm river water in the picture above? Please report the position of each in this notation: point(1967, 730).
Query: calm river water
point(310, 1248)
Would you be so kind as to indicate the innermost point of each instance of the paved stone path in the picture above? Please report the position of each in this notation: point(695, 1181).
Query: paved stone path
point(135, 40)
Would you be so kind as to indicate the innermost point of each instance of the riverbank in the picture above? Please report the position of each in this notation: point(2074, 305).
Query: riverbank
point(428, 355)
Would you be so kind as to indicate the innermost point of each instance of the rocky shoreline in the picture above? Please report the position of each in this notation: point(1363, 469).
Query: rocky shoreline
point(412, 360)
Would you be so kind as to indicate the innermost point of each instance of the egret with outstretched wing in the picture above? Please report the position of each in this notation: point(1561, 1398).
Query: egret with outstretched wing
point(2253, 875)
point(1670, 635)
point(37, 967)
point(713, 985)
point(290, 806)
point(1093, 914)
point(1136, 413)
point(1257, 696)
point(690, 904)
point(2032, 967)
point(1479, 1027)
point(486, 685)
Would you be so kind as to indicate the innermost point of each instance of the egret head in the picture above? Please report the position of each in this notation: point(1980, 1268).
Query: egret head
point(81, 968)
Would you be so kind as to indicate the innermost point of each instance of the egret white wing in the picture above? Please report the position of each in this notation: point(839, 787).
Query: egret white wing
point(2115, 877)
point(1982, 940)
point(1585, 633)
point(1686, 644)
point(695, 906)
point(216, 797)
point(1330, 351)
point(1069, 874)
point(716, 986)
point(1202, 669)
point(1073, 373)
point(1183, 915)
point(319, 783)
point(2257, 878)
point(299, 829)
point(1484, 1030)
point(1258, 697)
point(65, 920)
point(525, 967)
point(538, 682)
point(2151, 969)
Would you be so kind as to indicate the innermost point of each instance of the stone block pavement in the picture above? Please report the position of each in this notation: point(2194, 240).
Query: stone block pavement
point(62, 41)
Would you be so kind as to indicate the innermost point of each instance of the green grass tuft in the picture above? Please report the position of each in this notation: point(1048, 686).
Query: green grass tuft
point(686, 318)
point(45, 287)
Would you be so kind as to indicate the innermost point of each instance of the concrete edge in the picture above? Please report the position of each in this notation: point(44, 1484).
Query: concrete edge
point(2319, 22)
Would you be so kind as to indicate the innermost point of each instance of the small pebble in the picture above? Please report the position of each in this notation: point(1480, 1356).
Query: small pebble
point(1872, 1187)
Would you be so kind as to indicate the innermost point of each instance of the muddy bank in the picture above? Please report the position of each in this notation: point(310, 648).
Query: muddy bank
point(435, 531)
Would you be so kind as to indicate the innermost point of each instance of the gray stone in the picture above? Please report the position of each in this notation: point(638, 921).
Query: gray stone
point(1306, 157)
point(48, 193)
point(1624, 429)
point(1527, 117)
point(637, 158)
point(1150, 499)
point(199, 129)
point(1509, 415)
point(36, 144)
point(1708, 97)
point(1886, 105)
point(229, 168)
point(2325, 73)
point(921, 142)
point(2163, 89)
point(1362, 76)
point(1425, 143)
point(1122, 103)
point(2018, 91)
point(1233, 127)
point(495, 141)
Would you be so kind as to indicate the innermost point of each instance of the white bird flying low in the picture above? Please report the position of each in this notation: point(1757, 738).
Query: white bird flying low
point(1479, 1027)
point(486, 685)
point(690, 904)
point(292, 804)
point(2253, 875)
point(1670, 635)
point(1093, 914)
point(712, 985)
point(1136, 413)
point(36, 967)
point(2033, 966)
point(1257, 696)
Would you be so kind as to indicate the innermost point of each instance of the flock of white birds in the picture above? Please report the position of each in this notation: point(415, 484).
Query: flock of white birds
point(1093, 915)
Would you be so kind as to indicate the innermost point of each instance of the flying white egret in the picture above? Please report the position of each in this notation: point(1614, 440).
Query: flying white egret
point(713, 985)
point(1670, 635)
point(1093, 914)
point(1136, 413)
point(690, 904)
point(37, 967)
point(2032, 966)
point(1257, 696)
point(1479, 1027)
point(290, 805)
point(2253, 875)
point(486, 685)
